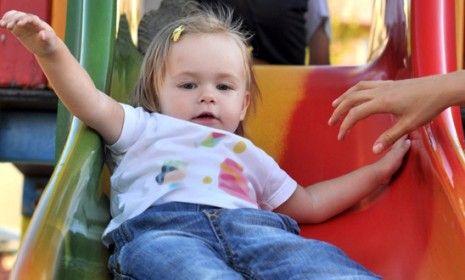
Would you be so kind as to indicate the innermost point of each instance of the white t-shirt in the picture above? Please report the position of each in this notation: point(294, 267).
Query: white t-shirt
point(159, 159)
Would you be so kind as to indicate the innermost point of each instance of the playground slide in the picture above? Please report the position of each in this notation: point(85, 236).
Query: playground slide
point(413, 229)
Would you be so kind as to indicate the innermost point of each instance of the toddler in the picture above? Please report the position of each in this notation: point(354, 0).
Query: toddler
point(190, 197)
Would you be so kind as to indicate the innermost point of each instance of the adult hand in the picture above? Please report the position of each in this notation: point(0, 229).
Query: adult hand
point(413, 102)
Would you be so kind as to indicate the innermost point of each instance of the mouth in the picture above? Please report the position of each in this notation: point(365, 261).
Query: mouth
point(205, 118)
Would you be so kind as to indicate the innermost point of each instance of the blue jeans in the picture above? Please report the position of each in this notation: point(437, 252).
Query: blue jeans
point(189, 241)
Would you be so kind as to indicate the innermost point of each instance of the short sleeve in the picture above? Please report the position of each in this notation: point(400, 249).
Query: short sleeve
point(135, 121)
point(277, 186)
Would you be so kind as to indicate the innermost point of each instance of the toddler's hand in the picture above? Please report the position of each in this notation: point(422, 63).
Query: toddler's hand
point(35, 34)
point(392, 160)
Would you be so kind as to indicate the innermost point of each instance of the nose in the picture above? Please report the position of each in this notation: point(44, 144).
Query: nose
point(207, 96)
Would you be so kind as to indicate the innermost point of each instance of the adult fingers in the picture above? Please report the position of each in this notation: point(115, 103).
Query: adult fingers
point(356, 114)
point(348, 104)
point(360, 86)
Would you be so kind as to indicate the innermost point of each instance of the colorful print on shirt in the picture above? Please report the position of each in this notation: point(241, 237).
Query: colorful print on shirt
point(212, 140)
point(171, 173)
point(233, 181)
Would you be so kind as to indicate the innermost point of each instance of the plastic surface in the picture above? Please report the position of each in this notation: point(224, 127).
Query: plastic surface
point(63, 239)
point(413, 229)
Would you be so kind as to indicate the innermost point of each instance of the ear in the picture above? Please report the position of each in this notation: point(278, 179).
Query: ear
point(245, 105)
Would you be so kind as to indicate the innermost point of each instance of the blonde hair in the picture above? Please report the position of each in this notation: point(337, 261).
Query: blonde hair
point(199, 21)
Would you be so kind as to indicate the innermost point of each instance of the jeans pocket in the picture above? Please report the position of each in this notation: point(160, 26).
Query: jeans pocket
point(290, 224)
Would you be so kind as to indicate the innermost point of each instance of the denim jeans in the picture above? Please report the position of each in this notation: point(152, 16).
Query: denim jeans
point(189, 241)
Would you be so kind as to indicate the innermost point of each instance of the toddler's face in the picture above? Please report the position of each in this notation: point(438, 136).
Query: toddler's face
point(205, 81)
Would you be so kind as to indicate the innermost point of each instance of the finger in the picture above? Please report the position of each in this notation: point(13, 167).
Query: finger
point(389, 137)
point(25, 19)
point(42, 35)
point(400, 142)
point(30, 21)
point(399, 149)
point(344, 95)
point(22, 20)
point(12, 18)
point(402, 138)
point(356, 114)
point(360, 86)
point(9, 14)
point(340, 111)
point(349, 103)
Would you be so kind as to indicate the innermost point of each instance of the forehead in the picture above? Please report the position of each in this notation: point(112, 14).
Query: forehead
point(207, 52)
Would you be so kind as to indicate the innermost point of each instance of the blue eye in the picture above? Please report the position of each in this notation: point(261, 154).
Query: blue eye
point(223, 87)
point(188, 86)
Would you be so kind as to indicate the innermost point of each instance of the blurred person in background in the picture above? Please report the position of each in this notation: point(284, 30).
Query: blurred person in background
point(280, 30)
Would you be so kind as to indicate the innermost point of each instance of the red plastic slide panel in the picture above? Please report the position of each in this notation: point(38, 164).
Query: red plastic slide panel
point(18, 67)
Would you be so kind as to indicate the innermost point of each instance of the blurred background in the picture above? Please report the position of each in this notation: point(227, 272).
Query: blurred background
point(10, 197)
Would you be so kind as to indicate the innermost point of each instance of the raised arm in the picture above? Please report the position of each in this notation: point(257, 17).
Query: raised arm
point(414, 102)
point(323, 200)
point(69, 80)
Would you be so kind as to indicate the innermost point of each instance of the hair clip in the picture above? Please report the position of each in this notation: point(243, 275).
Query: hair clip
point(177, 33)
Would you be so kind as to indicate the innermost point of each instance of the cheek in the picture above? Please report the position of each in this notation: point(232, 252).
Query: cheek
point(167, 105)
point(237, 111)
point(163, 105)
point(176, 106)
